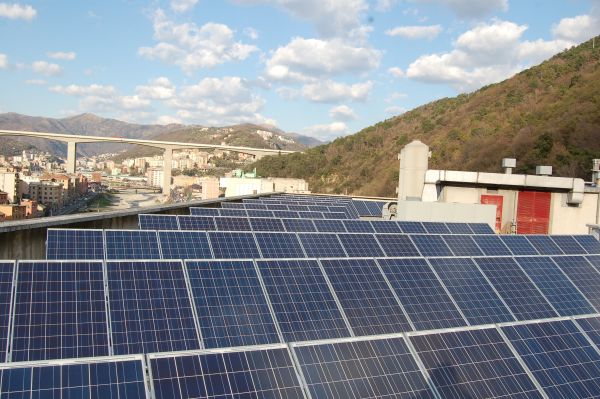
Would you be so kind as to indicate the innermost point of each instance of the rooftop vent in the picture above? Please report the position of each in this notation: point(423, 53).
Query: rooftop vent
point(543, 170)
point(509, 164)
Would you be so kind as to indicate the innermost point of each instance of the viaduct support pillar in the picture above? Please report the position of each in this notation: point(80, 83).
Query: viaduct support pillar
point(167, 159)
point(71, 154)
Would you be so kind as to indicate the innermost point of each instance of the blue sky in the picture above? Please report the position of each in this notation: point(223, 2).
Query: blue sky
point(324, 68)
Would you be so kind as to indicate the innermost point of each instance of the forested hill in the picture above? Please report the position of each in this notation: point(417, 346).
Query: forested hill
point(545, 115)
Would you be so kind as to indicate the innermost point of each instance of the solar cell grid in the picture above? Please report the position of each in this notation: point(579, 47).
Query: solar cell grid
point(583, 275)
point(588, 243)
point(359, 245)
point(321, 245)
point(436, 228)
point(233, 205)
point(459, 228)
point(202, 223)
point(184, 245)
point(361, 208)
point(204, 211)
point(6, 288)
point(422, 295)
point(474, 295)
point(282, 207)
point(265, 224)
point(335, 215)
point(462, 245)
point(366, 298)
point(158, 222)
point(257, 213)
point(310, 215)
point(131, 244)
point(150, 308)
point(279, 245)
point(254, 206)
point(358, 226)
point(231, 306)
point(491, 245)
point(591, 326)
point(74, 244)
point(303, 208)
point(59, 311)
point(518, 245)
point(303, 303)
point(232, 224)
point(568, 245)
point(473, 364)
point(481, 228)
point(235, 213)
point(556, 287)
point(385, 226)
point(397, 245)
point(329, 225)
point(286, 214)
point(544, 245)
point(379, 368)
point(411, 227)
point(298, 225)
point(233, 245)
point(431, 245)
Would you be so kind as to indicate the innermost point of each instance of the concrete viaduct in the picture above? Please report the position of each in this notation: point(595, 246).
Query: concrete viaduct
point(168, 146)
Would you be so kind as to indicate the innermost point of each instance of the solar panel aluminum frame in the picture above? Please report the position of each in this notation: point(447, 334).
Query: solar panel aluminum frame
point(10, 324)
point(100, 230)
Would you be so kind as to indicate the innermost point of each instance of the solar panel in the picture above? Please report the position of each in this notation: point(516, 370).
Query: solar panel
point(158, 222)
point(436, 228)
point(459, 228)
point(472, 292)
point(359, 245)
point(233, 205)
point(544, 245)
point(131, 244)
point(555, 286)
point(205, 211)
point(462, 245)
point(358, 226)
point(585, 277)
point(329, 226)
point(286, 214)
point(150, 308)
point(365, 296)
point(591, 326)
point(411, 227)
point(522, 297)
point(199, 223)
point(281, 207)
point(232, 245)
point(559, 356)
point(518, 245)
point(304, 306)
point(231, 306)
point(568, 245)
point(397, 245)
point(335, 215)
point(184, 245)
point(74, 244)
point(431, 245)
point(279, 245)
point(378, 368)
point(303, 208)
point(385, 226)
point(59, 311)
point(310, 215)
point(491, 245)
point(424, 298)
point(321, 245)
point(264, 224)
point(473, 364)
point(255, 213)
point(297, 225)
point(589, 243)
point(481, 228)
point(361, 208)
point(250, 373)
point(234, 213)
point(6, 288)
point(112, 377)
point(232, 224)
point(595, 261)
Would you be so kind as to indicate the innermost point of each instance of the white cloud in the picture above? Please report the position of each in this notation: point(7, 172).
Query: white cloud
point(396, 72)
point(327, 131)
point(385, 5)
point(309, 59)
point(251, 33)
point(167, 120)
point(328, 91)
point(62, 55)
point(80, 91)
point(183, 5)
point(46, 68)
point(17, 11)
point(192, 47)
point(415, 32)
point(100, 98)
point(470, 8)
point(3, 61)
point(577, 29)
point(342, 113)
point(35, 82)
point(395, 110)
point(159, 89)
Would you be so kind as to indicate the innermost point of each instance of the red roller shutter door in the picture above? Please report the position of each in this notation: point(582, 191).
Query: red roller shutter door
point(498, 200)
point(533, 212)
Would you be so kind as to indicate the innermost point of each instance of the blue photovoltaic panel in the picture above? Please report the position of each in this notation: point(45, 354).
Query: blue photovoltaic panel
point(279, 245)
point(231, 306)
point(281, 207)
point(564, 362)
point(385, 226)
point(231, 245)
point(555, 286)
point(361, 208)
point(313, 208)
point(298, 225)
point(74, 244)
point(286, 214)
point(544, 245)
point(518, 245)
point(199, 223)
point(594, 260)
point(366, 298)
point(471, 291)
point(322, 245)
point(431, 245)
point(329, 226)
point(481, 228)
point(257, 213)
point(436, 228)
point(337, 209)
point(358, 226)
point(589, 243)
point(158, 222)
point(335, 215)
point(412, 227)
point(184, 245)
point(233, 213)
point(591, 326)
point(583, 275)
point(310, 215)
point(205, 211)
point(131, 244)
point(568, 245)
point(519, 293)
point(232, 224)
point(473, 364)
point(397, 245)
point(249, 206)
point(375, 207)
point(459, 228)
point(378, 368)
point(59, 311)
point(266, 224)
point(462, 245)
point(233, 205)
point(150, 308)
point(6, 287)
point(359, 245)
point(424, 298)
point(492, 245)
point(303, 208)
point(261, 373)
point(304, 306)
point(111, 378)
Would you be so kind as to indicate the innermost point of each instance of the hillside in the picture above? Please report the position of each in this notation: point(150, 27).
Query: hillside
point(548, 114)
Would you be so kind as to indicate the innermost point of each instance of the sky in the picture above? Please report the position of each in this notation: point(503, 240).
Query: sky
point(323, 68)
